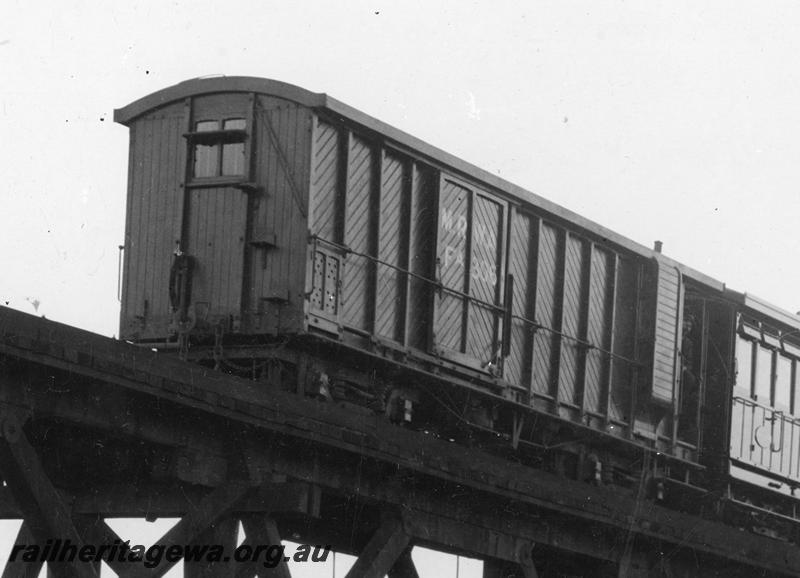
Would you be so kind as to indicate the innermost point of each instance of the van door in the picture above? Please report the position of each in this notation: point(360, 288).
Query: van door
point(469, 271)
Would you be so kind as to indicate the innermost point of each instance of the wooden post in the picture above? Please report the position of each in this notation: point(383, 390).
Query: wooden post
point(223, 532)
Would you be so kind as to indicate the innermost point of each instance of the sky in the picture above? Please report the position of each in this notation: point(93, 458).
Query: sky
point(671, 120)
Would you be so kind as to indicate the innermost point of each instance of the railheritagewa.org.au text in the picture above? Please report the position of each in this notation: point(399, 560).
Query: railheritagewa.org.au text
point(268, 555)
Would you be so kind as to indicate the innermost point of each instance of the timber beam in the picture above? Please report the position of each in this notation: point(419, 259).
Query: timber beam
point(154, 499)
point(494, 569)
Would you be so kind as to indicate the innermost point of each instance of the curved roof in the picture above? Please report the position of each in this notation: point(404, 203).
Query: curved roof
point(321, 101)
point(201, 86)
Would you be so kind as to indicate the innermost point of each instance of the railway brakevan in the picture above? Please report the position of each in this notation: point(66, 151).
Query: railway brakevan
point(280, 234)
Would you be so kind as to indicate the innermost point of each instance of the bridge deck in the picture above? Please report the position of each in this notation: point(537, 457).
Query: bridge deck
point(94, 428)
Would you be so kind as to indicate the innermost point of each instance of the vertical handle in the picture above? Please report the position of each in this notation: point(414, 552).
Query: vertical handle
point(777, 415)
point(119, 274)
point(508, 304)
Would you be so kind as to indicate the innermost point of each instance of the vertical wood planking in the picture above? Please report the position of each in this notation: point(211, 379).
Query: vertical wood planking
point(593, 291)
point(521, 265)
point(596, 391)
point(611, 325)
point(572, 306)
point(126, 263)
point(667, 328)
point(186, 164)
point(421, 256)
point(280, 141)
point(326, 213)
point(533, 298)
point(303, 123)
point(676, 363)
point(547, 309)
point(250, 269)
point(270, 206)
point(274, 201)
point(484, 277)
point(154, 219)
point(585, 395)
point(393, 239)
point(636, 373)
point(377, 193)
point(374, 234)
point(156, 168)
point(359, 212)
point(325, 185)
point(463, 344)
point(133, 306)
point(452, 261)
point(283, 128)
point(216, 241)
point(410, 191)
point(558, 334)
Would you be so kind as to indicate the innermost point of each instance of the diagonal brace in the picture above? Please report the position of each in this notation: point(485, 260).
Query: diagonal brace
point(97, 531)
point(404, 567)
point(46, 514)
point(382, 551)
point(209, 510)
point(18, 568)
point(262, 530)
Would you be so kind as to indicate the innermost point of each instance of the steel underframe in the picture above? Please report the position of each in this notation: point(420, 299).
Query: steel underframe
point(288, 466)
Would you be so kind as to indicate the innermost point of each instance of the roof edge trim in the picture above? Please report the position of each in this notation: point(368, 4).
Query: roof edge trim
point(765, 307)
point(201, 86)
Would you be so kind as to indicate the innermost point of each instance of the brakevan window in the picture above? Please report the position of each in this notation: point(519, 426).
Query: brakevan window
point(763, 384)
point(783, 381)
point(218, 148)
point(744, 364)
point(767, 374)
